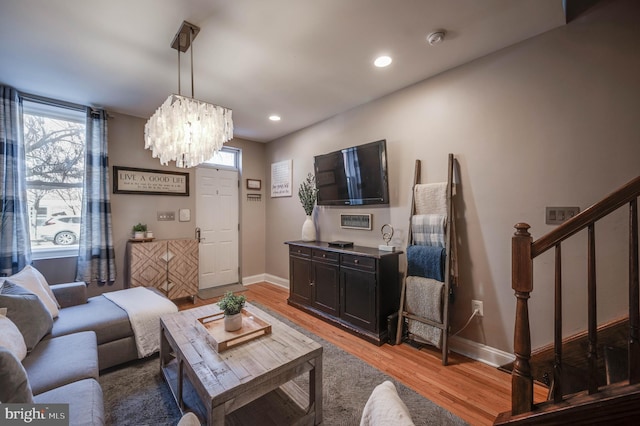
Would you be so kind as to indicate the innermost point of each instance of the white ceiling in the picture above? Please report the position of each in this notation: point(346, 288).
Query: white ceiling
point(305, 60)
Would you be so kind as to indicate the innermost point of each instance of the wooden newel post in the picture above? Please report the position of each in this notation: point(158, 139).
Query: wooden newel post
point(522, 284)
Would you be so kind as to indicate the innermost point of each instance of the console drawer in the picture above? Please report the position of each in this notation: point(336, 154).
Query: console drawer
point(359, 262)
point(299, 251)
point(326, 256)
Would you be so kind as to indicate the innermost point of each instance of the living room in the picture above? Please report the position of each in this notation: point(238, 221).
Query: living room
point(548, 121)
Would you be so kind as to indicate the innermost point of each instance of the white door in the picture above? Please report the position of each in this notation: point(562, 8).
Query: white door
point(217, 216)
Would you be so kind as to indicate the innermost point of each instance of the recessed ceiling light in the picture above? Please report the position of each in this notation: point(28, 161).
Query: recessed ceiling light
point(274, 117)
point(382, 61)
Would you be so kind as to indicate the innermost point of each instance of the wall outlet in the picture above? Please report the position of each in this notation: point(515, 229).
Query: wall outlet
point(477, 304)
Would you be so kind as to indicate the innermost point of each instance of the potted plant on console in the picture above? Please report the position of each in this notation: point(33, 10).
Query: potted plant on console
point(232, 304)
point(139, 231)
point(308, 194)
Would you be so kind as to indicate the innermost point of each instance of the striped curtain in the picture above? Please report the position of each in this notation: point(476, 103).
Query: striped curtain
point(15, 246)
point(96, 257)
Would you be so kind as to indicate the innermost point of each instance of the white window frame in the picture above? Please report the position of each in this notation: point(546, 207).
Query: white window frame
point(61, 110)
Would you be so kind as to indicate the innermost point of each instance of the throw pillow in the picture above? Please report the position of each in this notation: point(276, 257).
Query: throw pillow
point(31, 279)
point(385, 407)
point(11, 338)
point(45, 284)
point(15, 387)
point(27, 312)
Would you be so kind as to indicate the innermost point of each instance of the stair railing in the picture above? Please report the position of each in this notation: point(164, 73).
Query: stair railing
point(525, 250)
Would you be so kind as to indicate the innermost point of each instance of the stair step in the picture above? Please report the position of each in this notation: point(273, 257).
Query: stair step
point(616, 363)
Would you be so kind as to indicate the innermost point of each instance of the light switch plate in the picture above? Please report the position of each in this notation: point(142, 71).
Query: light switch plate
point(185, 215)
point(558, 215)
point(166, 216)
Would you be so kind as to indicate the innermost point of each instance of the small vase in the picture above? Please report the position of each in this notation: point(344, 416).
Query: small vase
point(138, 235)
point(233, 322)
point(149, 234)
point(308, 229)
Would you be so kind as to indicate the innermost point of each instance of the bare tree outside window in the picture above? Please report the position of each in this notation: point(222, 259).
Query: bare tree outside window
point(54, 145)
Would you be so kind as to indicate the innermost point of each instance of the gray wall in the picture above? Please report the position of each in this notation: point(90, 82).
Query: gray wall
point(126, 148)
point(552, 121)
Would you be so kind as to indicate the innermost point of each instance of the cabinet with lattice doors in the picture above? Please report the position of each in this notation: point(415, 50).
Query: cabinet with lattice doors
point(171, 266)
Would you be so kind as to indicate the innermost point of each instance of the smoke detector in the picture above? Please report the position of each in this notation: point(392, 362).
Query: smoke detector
point(436, 37)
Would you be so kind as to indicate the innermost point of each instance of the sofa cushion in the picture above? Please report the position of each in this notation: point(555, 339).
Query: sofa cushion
point(27, 312)
point(31, 279)
point(10, 336)
point(85, 399)
point(70, 294)
point(99, 314)
point(62, 360)
point(15, 384)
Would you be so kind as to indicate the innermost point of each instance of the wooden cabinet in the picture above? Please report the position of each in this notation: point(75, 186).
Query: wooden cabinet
point(171, 266)
point(355, 288)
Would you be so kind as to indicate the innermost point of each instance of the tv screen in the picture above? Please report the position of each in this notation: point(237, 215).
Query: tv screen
point(353, 176)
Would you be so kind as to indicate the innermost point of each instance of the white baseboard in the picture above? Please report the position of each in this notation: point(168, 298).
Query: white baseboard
point(254, 279)
point(282, 282)
point(272, 279)
point(480, 352)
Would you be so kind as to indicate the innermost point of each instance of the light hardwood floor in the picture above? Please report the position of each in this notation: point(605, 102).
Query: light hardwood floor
point(472, 390)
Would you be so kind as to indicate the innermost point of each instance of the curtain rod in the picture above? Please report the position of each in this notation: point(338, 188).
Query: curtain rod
point(54, 102)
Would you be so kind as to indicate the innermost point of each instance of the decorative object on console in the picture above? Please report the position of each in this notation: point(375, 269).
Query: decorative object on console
point(387, 235)
point(356, 221)
point(232, 305)
point(139, 231)
point(186, 130)
point(308, 194)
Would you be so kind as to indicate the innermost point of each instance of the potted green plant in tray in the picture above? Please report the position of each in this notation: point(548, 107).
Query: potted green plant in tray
point(232, 304)
point(139, 231)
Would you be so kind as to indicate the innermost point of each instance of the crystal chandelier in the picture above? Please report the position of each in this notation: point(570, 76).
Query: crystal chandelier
point(186, 130)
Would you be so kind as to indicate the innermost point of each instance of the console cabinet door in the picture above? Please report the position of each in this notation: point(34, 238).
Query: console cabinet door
point(358, 285)
point(300, 277)
point(326, 282)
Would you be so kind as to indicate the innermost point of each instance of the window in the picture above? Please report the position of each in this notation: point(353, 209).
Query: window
point(226, 157)
point(54, 139)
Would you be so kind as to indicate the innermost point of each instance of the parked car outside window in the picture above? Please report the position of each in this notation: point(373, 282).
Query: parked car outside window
point(62, 230)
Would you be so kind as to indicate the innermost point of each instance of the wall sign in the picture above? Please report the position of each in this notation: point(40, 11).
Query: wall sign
point(281, 179)
point(129, 180)
point(356, 221)
point(254, 184)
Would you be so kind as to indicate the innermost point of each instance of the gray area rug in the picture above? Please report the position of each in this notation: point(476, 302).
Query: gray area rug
point(136, 394)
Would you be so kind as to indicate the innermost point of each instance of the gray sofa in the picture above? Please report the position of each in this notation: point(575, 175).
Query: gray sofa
point(62, 369)
point(65, 354)
point(116, 343)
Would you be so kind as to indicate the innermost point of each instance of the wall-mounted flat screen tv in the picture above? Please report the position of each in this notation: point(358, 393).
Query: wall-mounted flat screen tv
point(353, 176)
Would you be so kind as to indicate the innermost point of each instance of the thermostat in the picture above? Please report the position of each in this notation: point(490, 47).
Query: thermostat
point(185, 215)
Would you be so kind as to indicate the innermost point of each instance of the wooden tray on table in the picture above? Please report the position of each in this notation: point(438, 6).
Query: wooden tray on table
point(212, 327)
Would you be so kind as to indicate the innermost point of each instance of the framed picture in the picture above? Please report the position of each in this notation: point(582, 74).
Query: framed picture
point(356, 221)
point(254, 184)
point(281, 178)
point(130, 180)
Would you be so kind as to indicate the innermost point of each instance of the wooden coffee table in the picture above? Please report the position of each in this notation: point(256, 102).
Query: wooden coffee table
point(250, 383)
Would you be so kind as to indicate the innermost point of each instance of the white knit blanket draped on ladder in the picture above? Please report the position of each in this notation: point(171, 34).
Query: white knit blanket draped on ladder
point(144, 308)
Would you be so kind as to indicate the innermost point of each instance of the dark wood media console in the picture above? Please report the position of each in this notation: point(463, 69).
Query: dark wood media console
point(355, 288)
